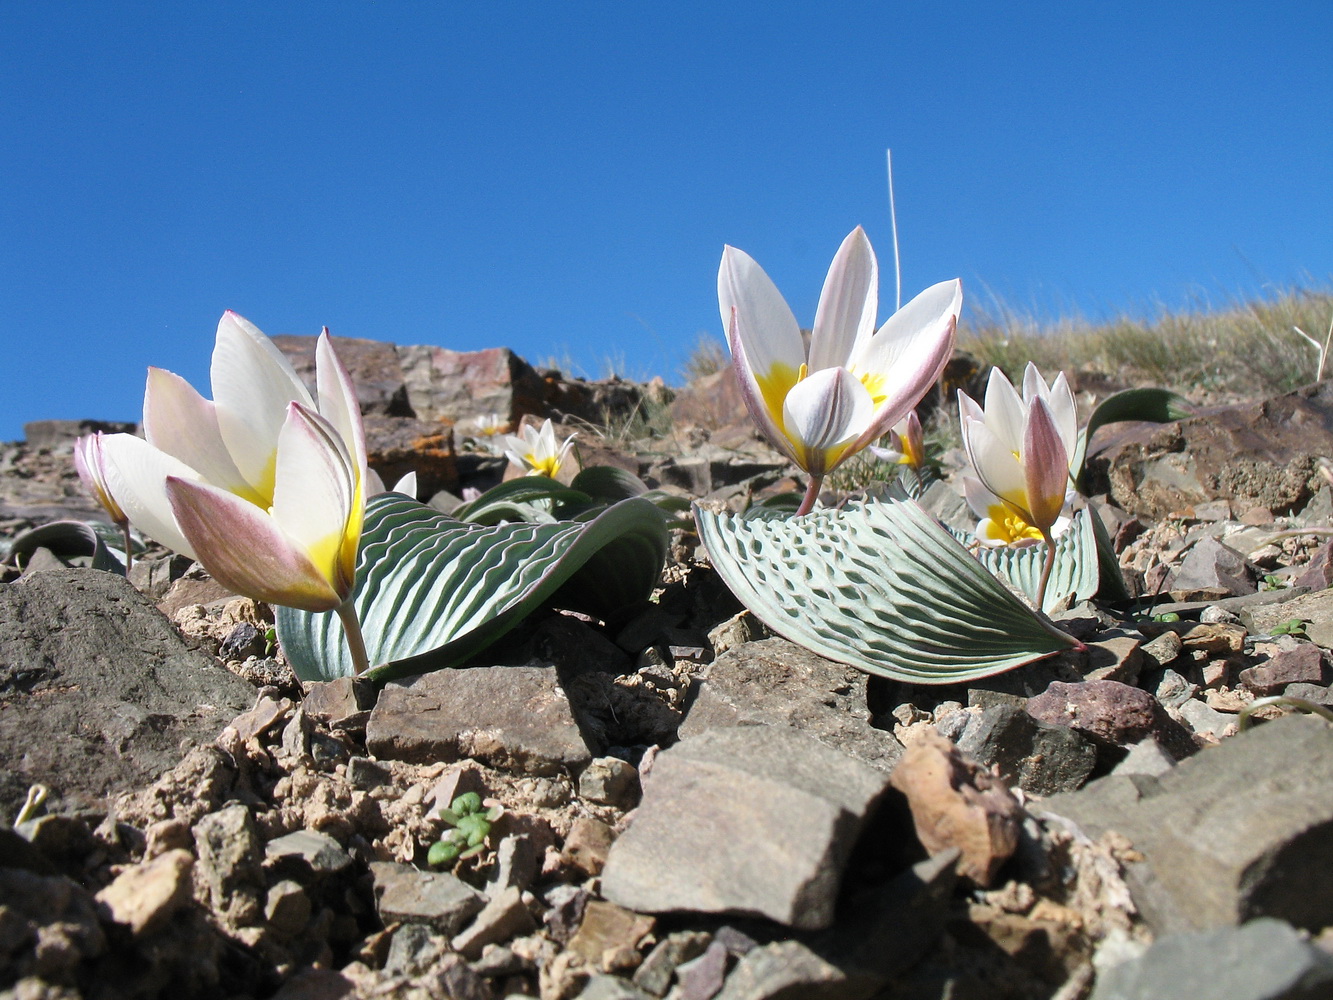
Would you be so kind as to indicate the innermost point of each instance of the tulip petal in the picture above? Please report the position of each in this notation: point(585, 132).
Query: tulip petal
point(1006, 413)
point(980, 499)
point(252, 384)
point(136, 474)
point(1045, 465)
point(1065, 412)
point(182, 423)
point(969, 409)
point(337, 399)
point(846, 314)
point(245, 550)
point(823, 415)
point(762, 329)
point(90, 464)
point(764, 402)
point(316, 494)
point(999, 469)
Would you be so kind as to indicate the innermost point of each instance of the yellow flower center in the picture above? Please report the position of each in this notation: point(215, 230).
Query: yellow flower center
point(875, 385)
point(546, 466)
point(1011, 528)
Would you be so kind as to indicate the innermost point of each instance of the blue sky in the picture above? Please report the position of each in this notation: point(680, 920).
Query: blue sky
point(561, 178)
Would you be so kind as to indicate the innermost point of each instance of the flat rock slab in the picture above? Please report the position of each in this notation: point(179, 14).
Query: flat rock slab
point(98, 689)
point(1238, 831)
point(513, 718)
point(776, 682)
point(1264, 960)
point(751, 820)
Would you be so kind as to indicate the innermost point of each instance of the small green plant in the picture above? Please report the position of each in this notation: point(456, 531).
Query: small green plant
point(1273, 582)
point(1292, 626)
point(471, 827)
point(1168, 616)
point(270, 640)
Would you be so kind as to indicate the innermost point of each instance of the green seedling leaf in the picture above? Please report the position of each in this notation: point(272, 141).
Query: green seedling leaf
point(881, 586)
point(433, 591)
point(608, 483)
point(1292, 626)
point(442, 853)
point(466, 804)
point(1158, 406)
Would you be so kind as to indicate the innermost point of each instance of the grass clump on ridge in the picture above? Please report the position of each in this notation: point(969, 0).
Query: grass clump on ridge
point(1244, 349)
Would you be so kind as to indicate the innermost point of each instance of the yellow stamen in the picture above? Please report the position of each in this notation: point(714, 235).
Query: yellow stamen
point(1011, 528)
point(875, 385)
point(547, 466)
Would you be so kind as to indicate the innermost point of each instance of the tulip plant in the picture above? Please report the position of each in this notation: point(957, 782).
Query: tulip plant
point(265, 484)
point(535, 450)
point(90, 465)
point(906, 447)
point(1021, 448)
point(820, 404)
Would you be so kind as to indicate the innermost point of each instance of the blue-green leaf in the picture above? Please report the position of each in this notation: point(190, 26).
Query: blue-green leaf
point(433, 591)
point(881, 586)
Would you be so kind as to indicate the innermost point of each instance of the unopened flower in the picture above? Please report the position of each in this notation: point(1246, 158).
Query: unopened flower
point(265, 484)
point(820, 404)
point(906, 444)
point(536, 451)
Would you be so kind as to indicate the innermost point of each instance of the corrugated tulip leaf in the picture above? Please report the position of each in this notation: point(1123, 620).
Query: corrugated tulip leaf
point(1076, 570)
point(518, 500)
point(103, 542)
point(881, 586)
point(433, 591)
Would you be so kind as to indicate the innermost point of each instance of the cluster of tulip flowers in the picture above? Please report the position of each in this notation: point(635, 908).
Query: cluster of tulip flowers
point(821, 401)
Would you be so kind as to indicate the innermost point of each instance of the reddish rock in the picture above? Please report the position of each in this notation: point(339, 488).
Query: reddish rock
point(1302, 665)
point(1110, 713)
point(399, 445)
point(374, 366)
point(462, 385)
point(1318, 572)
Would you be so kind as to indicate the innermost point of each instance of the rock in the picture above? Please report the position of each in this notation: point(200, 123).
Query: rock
point(1240, 830)
point(1040, 758)
point(374, 366)
point(149, 894)
point(397, 446)
point(658, 969)
point(100, 689)
point(438, 899)
point(587, 845)
point(306, 854)
point(1111, 714)
point(1317, 574)
point(1264, 959)
point(1114, 655)
point(604, 987)
point(1146, 757)
point(1163, 650)
point(504, 917)
point(610, 781)
point(265, 715)
point(1254, 454)
point(61, 434)
point(229, 862)
point(957, 804)
point(337, 701)
point(786, 970)
point(737, 786)
point(1203, 719)
point(1210, 570)
point(609, 935)
point(48, 925)
point(777, 682)
point(701, 978)
point(287, 908)
point(512, 718)
point(1305, 664)
point(459, 386)
point(1315, 610)
point(516, 865)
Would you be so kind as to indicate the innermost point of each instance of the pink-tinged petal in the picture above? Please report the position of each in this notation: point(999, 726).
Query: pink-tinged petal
point(930, 316)
point(245, 551)
point(763, 321)
point(824, 415)
point(252, 384)
point(897, 389)
point(90, 464)
point(765, 408)
point(1045, 464)
point(182, 423)
point(1006, 414)
point(998, 468)
point(337, 399)
point(136, 474)
point(889, 454)
point(316, 496)
point(847, 305)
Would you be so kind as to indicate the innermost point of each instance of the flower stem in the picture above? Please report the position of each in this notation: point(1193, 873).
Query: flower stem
point(129, 550)
point(1046, 569)
point(356, 643)
point(811, 495)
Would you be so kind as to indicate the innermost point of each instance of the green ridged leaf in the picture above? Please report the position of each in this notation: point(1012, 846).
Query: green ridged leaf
point(433, 591)
point(881, 586)
point(1076, 570)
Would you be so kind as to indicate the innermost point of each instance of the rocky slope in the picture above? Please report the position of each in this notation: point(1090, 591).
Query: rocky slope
point(690, 807)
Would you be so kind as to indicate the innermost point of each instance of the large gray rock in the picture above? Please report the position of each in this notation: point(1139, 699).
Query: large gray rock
point(1238, 831)
point(1263, 960)
point(513, 718)
point(1038, 757)
point(754, 820)
point(98, 689)
point(776, 682)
